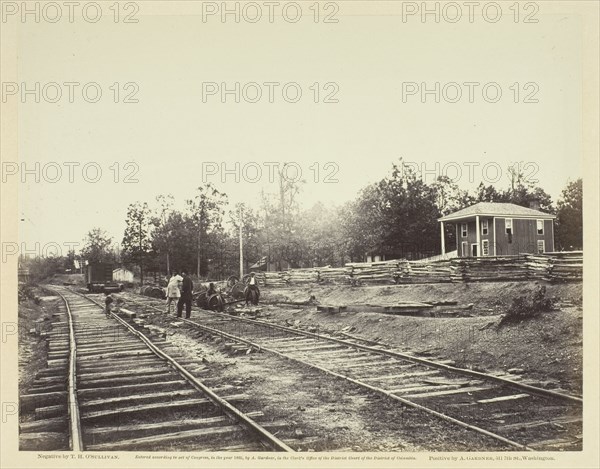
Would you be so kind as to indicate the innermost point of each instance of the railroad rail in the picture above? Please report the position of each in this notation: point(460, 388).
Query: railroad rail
point(113, 387)
point(500, 406)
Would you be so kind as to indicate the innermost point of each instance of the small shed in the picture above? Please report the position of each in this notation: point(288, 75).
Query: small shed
point(122, 275)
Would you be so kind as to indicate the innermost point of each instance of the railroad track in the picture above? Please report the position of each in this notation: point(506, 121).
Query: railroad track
point(503, 407)
point(110, 387)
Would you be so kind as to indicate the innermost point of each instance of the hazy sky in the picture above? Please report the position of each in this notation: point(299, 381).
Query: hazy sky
point(171, 132)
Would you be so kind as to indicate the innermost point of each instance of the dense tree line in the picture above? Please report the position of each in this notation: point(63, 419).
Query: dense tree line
point(395, 217)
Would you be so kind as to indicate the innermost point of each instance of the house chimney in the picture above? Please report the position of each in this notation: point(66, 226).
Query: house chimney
point(534, 204)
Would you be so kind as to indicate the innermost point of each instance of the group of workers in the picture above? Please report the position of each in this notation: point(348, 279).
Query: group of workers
point(180, 290)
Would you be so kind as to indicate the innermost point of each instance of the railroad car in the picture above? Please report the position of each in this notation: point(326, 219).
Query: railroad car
point(99, 278)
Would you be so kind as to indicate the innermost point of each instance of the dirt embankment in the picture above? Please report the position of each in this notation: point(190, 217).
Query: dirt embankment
point(547, 349)
point(487, 297)
point(33, 349)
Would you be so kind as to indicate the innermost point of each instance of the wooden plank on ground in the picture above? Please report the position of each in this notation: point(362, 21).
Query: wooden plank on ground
point(127, 313)
point(446, 393)
point(121, 354)
point(165, 437)
point(147, 370)
point(56, 424)
point(31, 401)
point(421, 388)
point(503, 398)
point(164, 426)
point(401, 375)
point(539, 423)
point(139, 398)
point(149, 377)
point(41, 441)
point(160, 406)
point(375, 362)
point(314, 348)
point(126, 388)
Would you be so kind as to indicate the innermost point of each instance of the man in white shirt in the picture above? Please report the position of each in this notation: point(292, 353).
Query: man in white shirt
point(251, 285)
point(173, 290)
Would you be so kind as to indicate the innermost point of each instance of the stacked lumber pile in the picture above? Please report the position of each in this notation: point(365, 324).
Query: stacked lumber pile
point(537, 266)
point(298, 276)
point(273, 279)
point(480, 269)
point(424, 272)
point(374, 272)
point(565, 266)
point(339, 275)
point(553, 267)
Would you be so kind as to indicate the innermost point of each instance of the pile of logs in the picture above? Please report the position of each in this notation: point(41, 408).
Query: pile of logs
point(552, 267)
point(376, 272)
point(565, 266)
point(481, 269)
point(272, 279)
point(424, 272)
point(295, 276)
point(537, 266)
point(339, 275)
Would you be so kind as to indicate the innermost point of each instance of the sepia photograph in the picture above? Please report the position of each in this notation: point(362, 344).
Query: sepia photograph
point(299, 234)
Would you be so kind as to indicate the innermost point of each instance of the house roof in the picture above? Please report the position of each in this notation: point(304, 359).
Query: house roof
point(496, 209)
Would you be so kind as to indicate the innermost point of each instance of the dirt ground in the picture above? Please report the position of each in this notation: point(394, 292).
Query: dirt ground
point(33, 350)
point(488, 298)
point(321, 413)
point(547, 349)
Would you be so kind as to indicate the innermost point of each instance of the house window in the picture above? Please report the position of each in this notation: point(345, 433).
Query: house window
point(485, 247)
point(540, 227)
point(541, 248)
point(484, 227)
point(464, 229)
point(508, 226)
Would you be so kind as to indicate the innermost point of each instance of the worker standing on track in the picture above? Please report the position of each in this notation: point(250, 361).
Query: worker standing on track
point(187, 287)
point(173, 293)
point(251, 284)
point(107, 302)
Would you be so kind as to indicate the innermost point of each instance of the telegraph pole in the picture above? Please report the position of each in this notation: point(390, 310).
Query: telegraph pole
point(241, 246)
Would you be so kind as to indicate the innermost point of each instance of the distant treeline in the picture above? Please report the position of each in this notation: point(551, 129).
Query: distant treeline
point(395, 217)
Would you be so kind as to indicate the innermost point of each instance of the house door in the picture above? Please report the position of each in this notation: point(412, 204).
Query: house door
point(465, 249)
point(474, 250)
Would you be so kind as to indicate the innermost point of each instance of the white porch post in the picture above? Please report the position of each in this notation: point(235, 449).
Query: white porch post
point(494, 226)
point(443, 240)
point(478, 235)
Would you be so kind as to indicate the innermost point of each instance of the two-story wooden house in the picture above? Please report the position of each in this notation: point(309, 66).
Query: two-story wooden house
point(500, 229)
